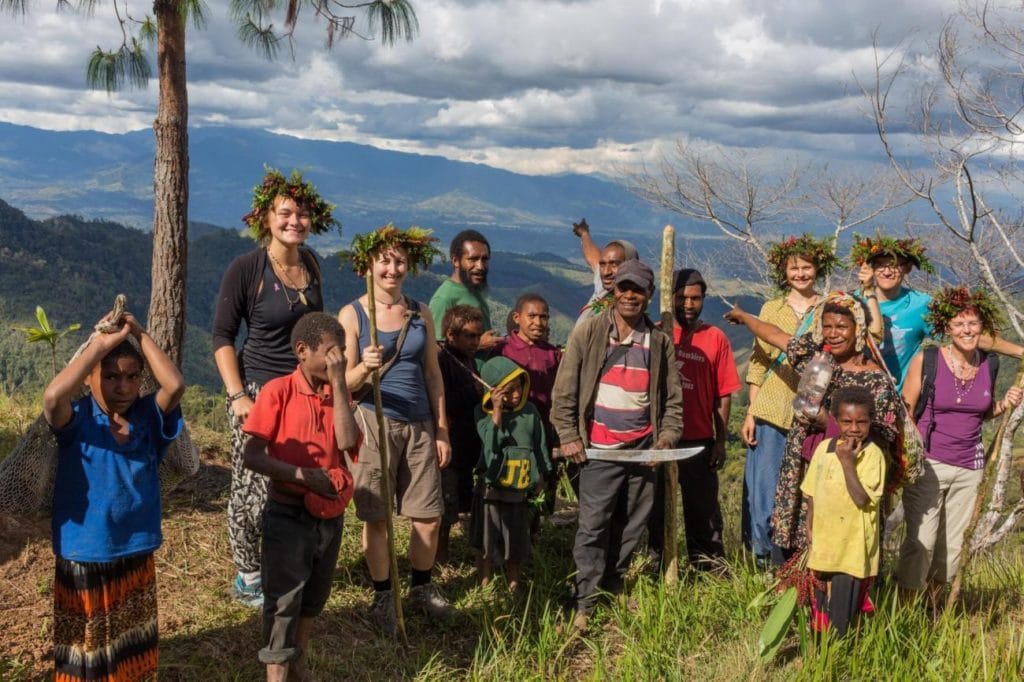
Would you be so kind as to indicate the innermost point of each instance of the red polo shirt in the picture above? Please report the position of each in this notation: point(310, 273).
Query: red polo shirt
point(297, 423)
point(707, 371)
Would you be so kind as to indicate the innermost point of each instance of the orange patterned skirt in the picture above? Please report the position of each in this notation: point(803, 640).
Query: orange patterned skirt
point(104, 620)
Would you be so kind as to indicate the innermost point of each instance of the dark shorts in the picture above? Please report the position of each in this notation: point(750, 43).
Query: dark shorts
point(500, 530)
point(298, 559)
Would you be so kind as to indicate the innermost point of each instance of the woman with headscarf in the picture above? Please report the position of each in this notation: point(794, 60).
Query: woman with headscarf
point(951, 406)
point(840, 327)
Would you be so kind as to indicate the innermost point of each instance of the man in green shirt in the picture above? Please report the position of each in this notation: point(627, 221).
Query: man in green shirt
point(471, 257)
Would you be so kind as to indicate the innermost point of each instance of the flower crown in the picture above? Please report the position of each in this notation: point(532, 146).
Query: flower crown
point(866, 249)
point(948, 302)
point(301, 191)
point(416, 241)
point(819, 251)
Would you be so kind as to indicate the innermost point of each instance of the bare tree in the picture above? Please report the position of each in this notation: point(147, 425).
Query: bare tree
point(751, 198)
point(967, 119)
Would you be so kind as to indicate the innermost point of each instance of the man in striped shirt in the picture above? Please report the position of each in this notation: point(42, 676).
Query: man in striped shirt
point(617, 388)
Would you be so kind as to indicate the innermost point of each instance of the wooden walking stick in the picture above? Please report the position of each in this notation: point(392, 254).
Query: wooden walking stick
point(670, 546)
point(984, 492)
point(385, 466)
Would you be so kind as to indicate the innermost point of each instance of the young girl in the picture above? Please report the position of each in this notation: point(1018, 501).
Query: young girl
point(843, 486)
point(514, 461)
point(106, 504)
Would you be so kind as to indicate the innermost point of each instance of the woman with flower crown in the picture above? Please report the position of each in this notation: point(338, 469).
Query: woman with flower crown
point(797, 265)
point(950, 407)
point(269, 289)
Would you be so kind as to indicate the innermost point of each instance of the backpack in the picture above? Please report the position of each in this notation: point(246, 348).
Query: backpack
point(928, 368)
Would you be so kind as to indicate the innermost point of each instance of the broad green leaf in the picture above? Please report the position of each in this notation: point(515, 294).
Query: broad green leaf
point(44, 323)
point(775, 628)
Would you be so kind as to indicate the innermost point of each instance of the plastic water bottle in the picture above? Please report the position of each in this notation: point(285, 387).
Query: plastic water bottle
point(813, 384)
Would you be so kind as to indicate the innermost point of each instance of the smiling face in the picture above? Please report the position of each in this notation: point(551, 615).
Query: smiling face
point(390, 266)
point(854, 421)
point(800, 274)
point(115, 383)
point(688, 304)
point(288, 222)
point(611, 258)
point(630, 301)
point(532, 321)
point(840, 333)
point(889, 272)
point(964, 330)
point(514, 394)
point(473, 264)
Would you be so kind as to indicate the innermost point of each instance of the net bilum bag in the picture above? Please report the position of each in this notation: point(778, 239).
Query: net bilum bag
point(27, 473)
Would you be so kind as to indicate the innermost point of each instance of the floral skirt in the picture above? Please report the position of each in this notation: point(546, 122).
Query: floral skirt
point(104, 620)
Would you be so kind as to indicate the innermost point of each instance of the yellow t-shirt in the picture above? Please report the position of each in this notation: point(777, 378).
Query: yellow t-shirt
point(774, 403)
point(844, 537)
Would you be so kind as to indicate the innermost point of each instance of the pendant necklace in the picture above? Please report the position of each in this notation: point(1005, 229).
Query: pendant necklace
point(300, 290)
point(961, 384)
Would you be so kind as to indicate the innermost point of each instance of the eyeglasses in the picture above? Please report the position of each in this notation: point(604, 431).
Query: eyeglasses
point(893, 267)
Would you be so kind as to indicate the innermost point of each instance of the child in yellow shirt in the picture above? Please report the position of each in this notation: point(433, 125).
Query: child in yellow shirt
point(844, 485)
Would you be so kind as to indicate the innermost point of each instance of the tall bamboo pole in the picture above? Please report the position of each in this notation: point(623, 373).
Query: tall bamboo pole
point(984, 493)
point(670, 551)
point(385, 468)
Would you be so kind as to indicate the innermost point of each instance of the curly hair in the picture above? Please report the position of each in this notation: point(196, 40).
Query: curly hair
point(311, 327)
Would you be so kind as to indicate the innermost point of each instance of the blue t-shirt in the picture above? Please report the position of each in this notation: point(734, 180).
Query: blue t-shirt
point(106, 496)
point(905, 330)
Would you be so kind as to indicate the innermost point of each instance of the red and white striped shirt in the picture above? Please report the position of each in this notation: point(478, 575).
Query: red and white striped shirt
point(622, 413)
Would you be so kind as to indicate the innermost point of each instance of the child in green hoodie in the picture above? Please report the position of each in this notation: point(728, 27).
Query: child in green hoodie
point(513, 463)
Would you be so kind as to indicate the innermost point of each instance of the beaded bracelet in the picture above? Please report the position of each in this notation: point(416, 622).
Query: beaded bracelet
point(235, 396)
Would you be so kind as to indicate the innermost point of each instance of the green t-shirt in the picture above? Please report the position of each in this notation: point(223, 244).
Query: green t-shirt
point(451, 294)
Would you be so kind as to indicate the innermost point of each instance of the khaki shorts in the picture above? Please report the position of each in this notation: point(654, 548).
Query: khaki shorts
point(415, 475)
point(938, 508)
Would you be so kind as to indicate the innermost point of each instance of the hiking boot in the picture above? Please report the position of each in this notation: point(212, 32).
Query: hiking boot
point(428, 599)
point(382, 613)
point(250, 594)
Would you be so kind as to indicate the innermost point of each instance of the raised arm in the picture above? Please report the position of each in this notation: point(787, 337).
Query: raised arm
point(165, 372)
point(997, 344)
point(765, 331)
point(591, 251)
point(57, 396)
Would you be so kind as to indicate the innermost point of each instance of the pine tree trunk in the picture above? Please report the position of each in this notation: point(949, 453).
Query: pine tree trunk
point(165, 320)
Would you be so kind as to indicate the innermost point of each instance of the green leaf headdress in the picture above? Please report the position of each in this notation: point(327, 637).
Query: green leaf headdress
point(910, 250)
point(303, 192)
point(417, 243)
point(817, 251)
point(949, 302)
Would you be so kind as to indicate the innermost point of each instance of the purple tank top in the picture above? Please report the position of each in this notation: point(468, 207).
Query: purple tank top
point(952, 429)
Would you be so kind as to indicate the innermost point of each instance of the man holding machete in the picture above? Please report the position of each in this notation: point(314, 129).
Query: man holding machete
point(617, 389)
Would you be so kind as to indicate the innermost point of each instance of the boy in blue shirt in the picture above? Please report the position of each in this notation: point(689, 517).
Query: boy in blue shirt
point(106, 503)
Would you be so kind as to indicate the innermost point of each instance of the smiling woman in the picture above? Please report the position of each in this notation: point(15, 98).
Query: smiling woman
point(269, 289)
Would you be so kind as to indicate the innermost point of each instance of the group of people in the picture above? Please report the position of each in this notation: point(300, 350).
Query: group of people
point(479, 425)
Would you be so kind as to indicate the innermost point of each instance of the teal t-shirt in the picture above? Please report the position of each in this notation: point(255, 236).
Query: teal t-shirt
point(451, 294)
point(905, 330)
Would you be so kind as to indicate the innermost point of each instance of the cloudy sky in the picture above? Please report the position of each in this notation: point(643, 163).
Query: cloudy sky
point(534, 86)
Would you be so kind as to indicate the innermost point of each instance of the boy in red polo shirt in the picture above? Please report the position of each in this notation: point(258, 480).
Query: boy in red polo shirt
point(298, 428)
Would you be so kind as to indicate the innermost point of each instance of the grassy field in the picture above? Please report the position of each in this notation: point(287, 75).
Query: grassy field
point(703, 628)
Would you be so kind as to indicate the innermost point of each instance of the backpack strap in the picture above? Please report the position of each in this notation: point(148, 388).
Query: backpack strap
point(928, 369)
point(993, 368)
point(617, 354)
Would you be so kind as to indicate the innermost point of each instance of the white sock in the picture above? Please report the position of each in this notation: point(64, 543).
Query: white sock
point(250, 578)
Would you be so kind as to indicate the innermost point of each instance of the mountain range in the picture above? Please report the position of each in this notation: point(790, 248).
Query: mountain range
point(109, 177)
